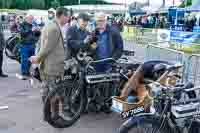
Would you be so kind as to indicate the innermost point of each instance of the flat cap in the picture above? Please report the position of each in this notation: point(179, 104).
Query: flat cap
point(84, 16)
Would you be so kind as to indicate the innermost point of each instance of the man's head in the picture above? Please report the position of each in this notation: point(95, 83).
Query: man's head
point(101, 20)
point(62, 14)
point(51, 14)
point(83, 19)
point(29, 19)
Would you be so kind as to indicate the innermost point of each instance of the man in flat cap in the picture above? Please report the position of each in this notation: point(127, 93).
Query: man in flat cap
point(77, 36)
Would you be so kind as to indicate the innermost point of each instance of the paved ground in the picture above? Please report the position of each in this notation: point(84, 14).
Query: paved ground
point(24, 113)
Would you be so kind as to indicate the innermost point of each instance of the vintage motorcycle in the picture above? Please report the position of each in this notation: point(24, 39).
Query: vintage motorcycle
point(84, 88)
point(175, 110)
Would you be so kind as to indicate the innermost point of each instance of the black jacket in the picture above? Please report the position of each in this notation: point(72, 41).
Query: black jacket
point(74, 38)
point(2, 41)
point(26, 33)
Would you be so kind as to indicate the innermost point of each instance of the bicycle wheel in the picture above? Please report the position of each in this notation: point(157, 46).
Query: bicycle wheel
point(144, 125)
point(71, 109)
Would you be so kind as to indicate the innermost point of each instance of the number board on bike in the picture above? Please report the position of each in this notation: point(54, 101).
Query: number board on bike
point(132, 112)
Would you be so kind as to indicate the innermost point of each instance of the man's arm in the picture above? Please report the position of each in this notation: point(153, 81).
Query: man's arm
point(118, 45)
point(48, 43)
point(132, 83)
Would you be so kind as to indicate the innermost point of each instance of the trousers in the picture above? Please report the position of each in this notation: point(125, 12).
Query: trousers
point(26, 51)
point(48, 84)
point(1, 61)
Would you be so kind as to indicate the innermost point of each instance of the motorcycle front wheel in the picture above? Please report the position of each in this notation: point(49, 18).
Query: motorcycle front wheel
point(12, 48)
point(74, 102)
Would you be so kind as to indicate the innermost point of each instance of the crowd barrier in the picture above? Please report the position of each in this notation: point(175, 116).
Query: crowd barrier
point(140, 35)
point(4, 27)
point(193, 71)
point(191, 62)
point(155, 52)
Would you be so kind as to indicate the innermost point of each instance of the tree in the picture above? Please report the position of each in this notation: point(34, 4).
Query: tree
point(38, 4)
point(44, 4)
point(186, 3)
point(55, 4)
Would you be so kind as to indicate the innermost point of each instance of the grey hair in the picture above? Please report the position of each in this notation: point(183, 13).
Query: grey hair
point(100, 14)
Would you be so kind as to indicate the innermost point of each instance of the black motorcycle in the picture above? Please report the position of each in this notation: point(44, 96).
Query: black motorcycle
point(175, 110)
point(13, 45)
point(84, 89)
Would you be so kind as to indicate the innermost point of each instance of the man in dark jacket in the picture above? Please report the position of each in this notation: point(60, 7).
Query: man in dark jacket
point(109, 42)
point(77, 36)
point(27, 48)
point(2, 43)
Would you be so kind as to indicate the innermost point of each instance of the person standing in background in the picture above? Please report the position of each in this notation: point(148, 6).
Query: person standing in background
point(2, 44)
point(27, 47)
point(51, 15)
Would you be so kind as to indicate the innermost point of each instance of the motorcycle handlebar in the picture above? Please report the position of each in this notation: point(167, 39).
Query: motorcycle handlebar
point(99, 61)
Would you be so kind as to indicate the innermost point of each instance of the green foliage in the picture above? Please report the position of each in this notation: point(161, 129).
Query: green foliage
point(55, 4)
point(43, 4)
point(186, 3)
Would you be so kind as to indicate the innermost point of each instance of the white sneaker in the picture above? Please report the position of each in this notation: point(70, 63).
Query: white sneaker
point(22, 77)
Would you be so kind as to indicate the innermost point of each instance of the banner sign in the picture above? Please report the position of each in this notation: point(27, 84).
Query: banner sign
point(196, 29)
point(163, 36)
point(185, 37)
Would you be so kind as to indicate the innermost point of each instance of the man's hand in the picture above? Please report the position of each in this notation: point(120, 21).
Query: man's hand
point(93, 46)
point(34, 60)
point(88, 39)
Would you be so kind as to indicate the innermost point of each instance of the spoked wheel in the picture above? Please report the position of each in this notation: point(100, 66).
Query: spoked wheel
point(12, 48)
point(144, 125)
point(69, 101)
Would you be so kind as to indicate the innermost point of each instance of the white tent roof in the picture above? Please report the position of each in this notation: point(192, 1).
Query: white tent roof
point(98, 7)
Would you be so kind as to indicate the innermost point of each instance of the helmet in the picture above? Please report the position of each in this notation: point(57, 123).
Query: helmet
point(158, 70)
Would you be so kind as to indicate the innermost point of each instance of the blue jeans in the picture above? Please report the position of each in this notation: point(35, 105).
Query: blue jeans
point(26, 51)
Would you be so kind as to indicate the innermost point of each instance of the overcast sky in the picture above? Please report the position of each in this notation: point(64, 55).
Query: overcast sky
point(153, 3)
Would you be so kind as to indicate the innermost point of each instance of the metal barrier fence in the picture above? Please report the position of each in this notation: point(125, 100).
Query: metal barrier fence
point(142, 35)
point(4, 26)
point(192, 70)
point(145, 35)
point(154, 52)
point(139, 34)
point(191, 62)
